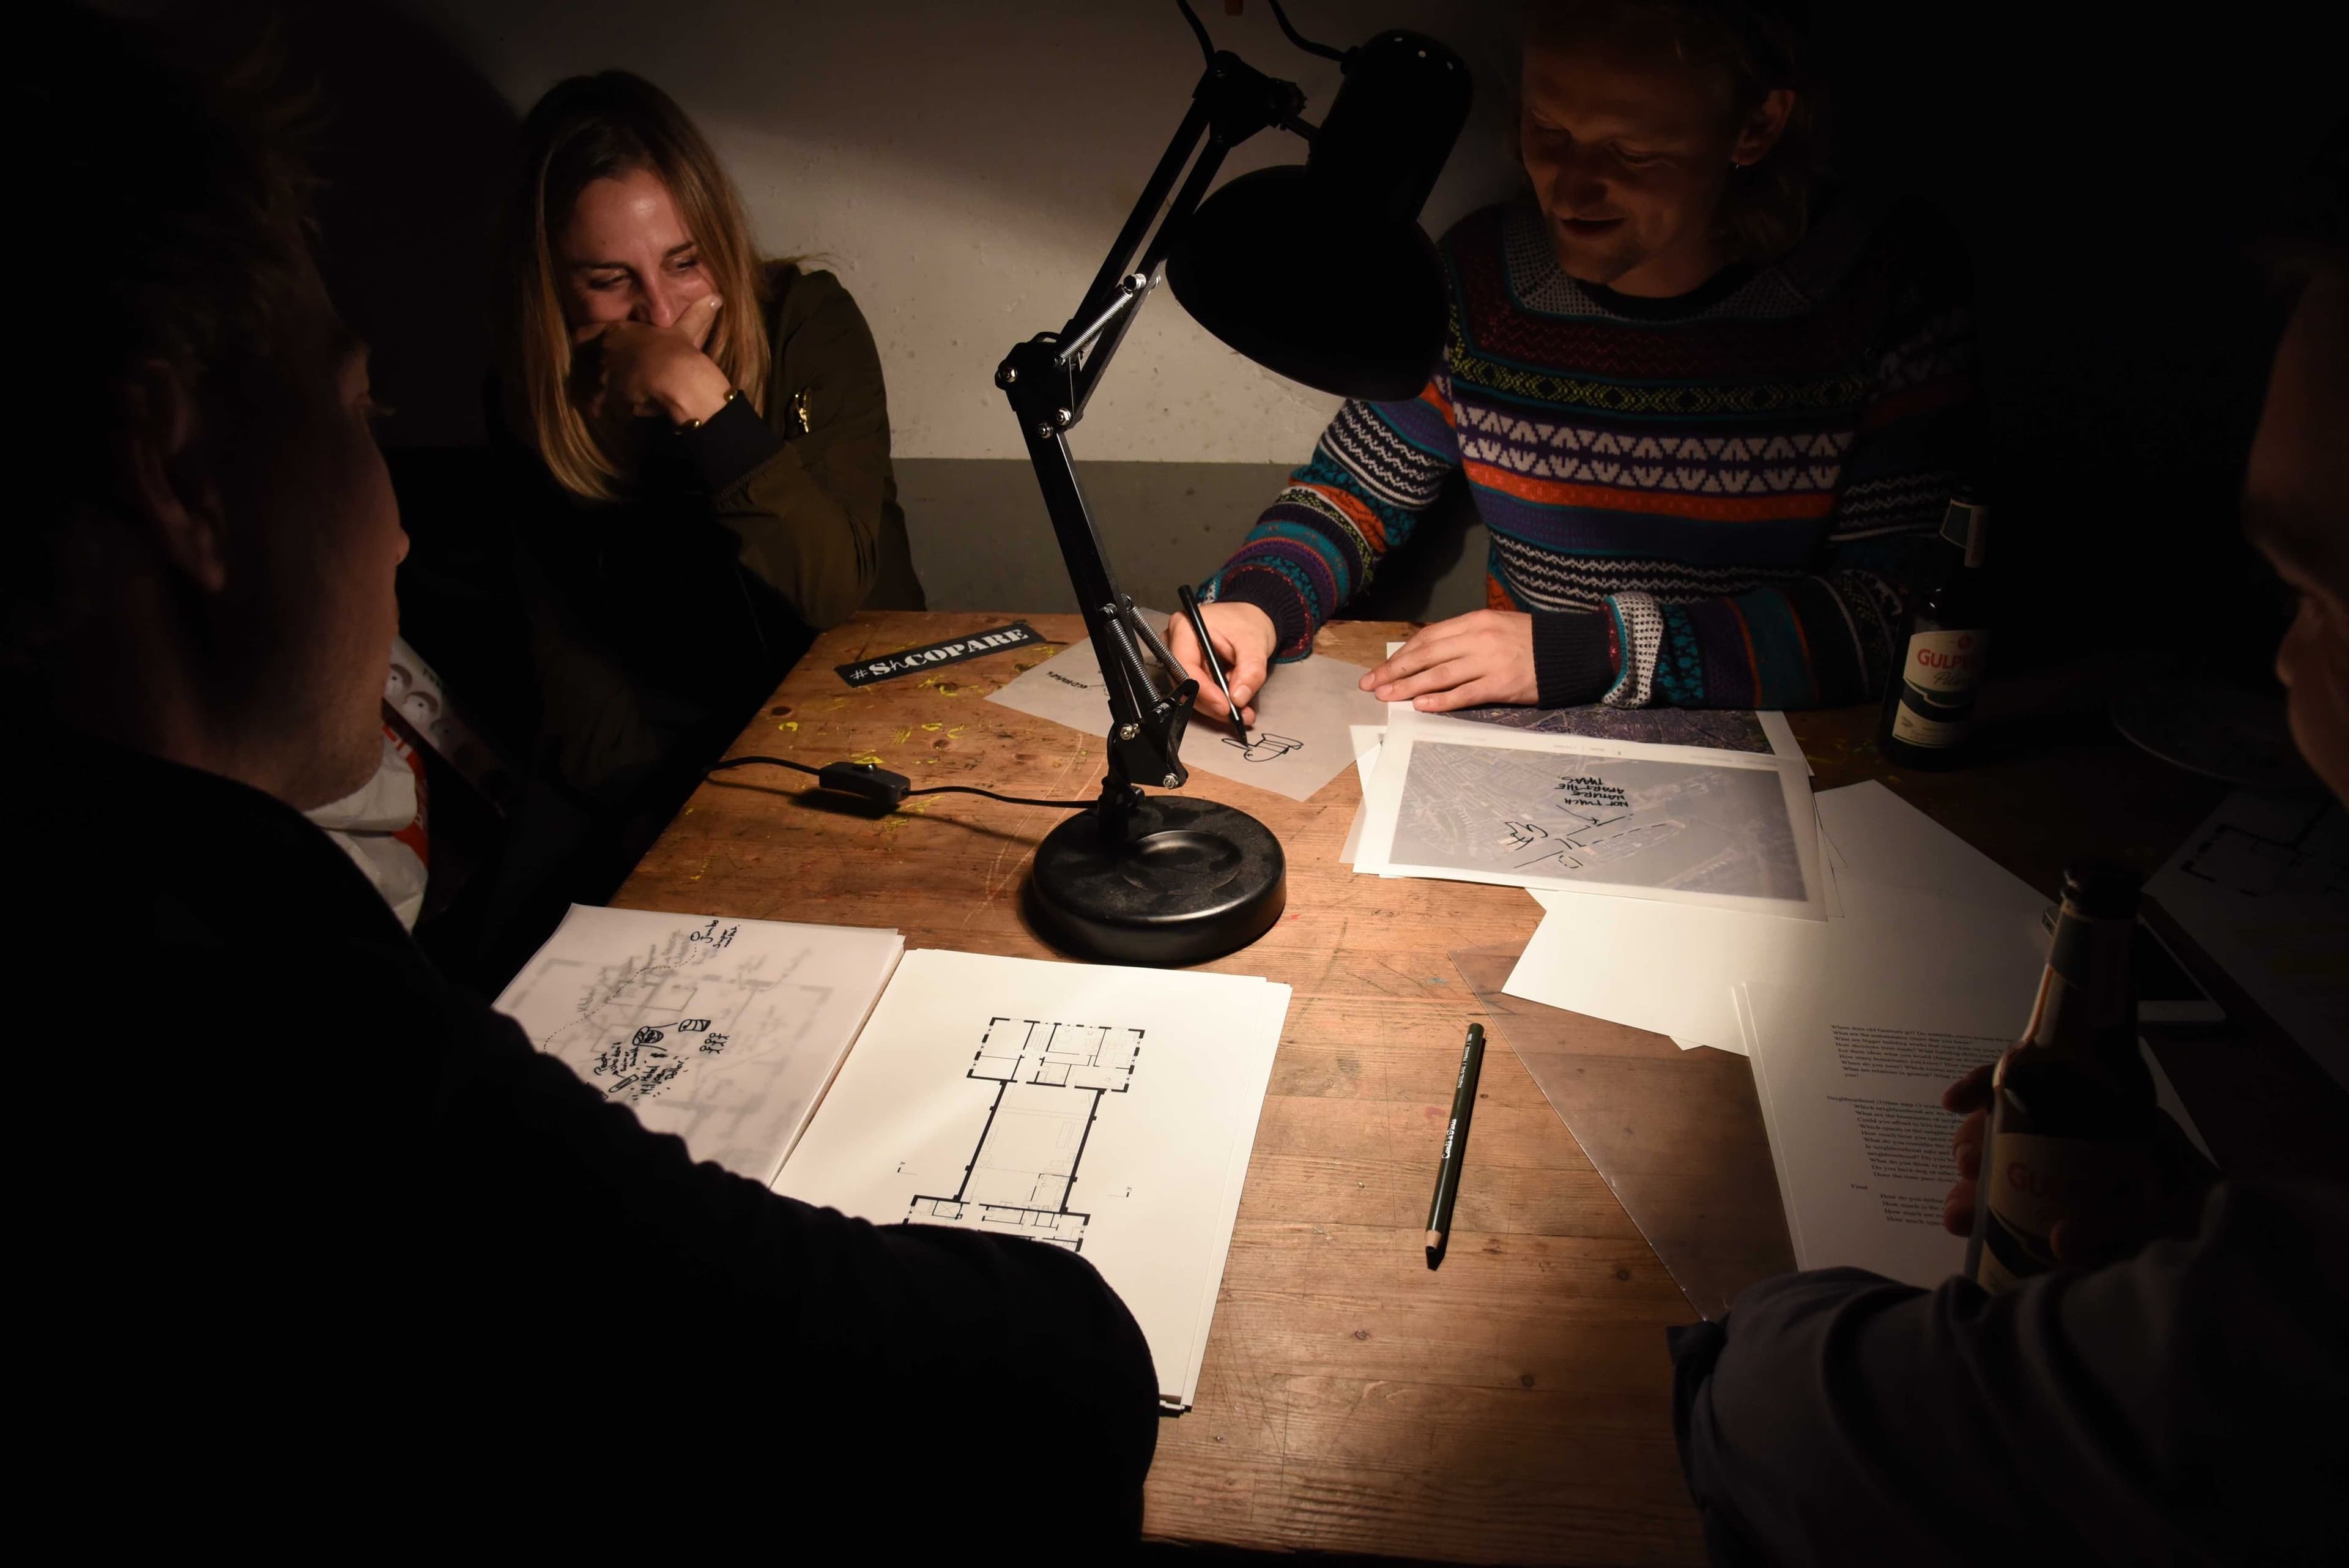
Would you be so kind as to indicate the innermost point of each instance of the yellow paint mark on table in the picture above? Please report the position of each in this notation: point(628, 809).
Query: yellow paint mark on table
point(789, 724)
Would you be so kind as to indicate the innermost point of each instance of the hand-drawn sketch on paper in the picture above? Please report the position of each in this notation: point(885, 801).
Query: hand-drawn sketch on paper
point(2262, 888)
point(1266, 747)
point(2283, 852)
point(1051, 1078)
point(1302, 717)
point(1629, 822)
point(721, 1032)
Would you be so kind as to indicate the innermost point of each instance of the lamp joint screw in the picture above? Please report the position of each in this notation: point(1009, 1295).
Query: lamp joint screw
point(1005, 376)
point(1128, 732)
point(1063, 418)
point(1173, 782)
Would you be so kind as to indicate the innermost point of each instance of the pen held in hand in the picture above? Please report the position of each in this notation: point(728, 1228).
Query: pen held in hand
point(1455, 1144)
point(1207, 653)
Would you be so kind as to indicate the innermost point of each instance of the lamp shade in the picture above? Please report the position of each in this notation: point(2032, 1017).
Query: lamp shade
point(1321, 274)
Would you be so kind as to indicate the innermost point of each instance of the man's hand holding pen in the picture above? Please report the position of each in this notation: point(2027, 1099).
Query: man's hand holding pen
point(1243, 638)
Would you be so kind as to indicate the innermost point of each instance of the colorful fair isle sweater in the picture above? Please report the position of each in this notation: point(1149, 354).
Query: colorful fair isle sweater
point(1704, 502)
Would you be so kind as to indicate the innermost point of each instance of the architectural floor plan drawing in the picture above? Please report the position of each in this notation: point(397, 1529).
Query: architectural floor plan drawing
point(1015, 1096)
point(2262, 888)
point(1051, 1078)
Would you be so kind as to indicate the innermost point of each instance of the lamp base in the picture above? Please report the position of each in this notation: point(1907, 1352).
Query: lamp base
point(1194, 880)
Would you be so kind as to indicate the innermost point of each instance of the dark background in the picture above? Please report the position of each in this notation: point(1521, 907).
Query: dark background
point(2106, 165)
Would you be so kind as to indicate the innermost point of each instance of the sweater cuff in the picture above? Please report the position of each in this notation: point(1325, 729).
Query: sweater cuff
point(1292, 624)
point(729, 443)
point(1571, 666)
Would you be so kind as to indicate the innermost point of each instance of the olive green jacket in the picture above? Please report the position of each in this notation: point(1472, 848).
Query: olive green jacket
point(658, 621)
point(817, 517)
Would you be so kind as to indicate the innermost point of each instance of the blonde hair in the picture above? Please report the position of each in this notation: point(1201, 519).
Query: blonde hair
point(599, 128)
point(1756, 46)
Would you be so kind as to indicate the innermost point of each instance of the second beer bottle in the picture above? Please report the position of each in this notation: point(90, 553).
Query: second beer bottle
point(2072, 1113)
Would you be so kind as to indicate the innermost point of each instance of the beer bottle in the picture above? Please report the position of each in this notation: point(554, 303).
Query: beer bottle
point(1929, 703)
point(2072, 1113)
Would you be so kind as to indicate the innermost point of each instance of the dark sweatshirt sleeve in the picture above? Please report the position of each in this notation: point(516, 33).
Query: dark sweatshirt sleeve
point(2180, 1408)
point(940, 1346)
point(814, 513)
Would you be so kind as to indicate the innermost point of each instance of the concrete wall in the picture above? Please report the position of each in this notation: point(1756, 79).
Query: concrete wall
point(963, 167)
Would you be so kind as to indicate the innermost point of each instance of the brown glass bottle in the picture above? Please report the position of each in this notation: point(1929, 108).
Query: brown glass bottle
point(1928, 702)
point(2072, 1113)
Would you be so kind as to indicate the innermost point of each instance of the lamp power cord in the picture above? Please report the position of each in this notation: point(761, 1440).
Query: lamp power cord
point(876, 784)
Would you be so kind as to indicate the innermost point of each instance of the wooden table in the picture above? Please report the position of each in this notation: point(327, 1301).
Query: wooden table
point(1513, 1407)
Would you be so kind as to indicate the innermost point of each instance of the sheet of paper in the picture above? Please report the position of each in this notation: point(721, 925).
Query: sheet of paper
point(1488, 804)
point(1851, 1084)
point(1704, 729)
point(1366, 739)
point(1669, 968)
point(1886, 842)
point(1348, 850)
point(2263, 888)
point(723, 1031)
point(1303, 714)
point(1782, 740)
point(1103, 1110)
point(2165, 1095)
point(1851, 1090)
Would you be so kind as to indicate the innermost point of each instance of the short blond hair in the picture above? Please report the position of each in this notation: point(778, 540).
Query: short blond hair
point(599, 128)
point(1756, 46)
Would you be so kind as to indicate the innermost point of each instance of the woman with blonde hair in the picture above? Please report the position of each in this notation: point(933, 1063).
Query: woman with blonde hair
point(703, 439)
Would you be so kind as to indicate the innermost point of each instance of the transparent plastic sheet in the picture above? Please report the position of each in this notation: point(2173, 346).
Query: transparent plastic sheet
point(1676, 1135)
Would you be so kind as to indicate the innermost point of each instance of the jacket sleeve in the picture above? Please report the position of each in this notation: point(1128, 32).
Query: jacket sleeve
point(1376, 471)
point(810, 510)
point(2154, 1411)
point(1830, 638)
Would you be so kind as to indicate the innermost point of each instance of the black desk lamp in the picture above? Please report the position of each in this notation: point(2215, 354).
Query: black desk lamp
point(1318, 273)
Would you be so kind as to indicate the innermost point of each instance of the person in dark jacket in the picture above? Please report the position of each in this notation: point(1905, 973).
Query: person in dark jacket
point(2162, 1400)
point(314, 1246)
point(694, 449)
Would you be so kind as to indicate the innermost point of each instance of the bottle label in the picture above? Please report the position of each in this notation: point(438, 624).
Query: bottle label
point(2031, 1181)
point(1937, 686)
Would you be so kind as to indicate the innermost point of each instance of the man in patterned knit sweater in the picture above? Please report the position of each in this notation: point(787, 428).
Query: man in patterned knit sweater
point(1704, 414)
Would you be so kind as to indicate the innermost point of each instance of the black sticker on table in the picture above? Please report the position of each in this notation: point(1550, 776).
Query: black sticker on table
point(953, 650)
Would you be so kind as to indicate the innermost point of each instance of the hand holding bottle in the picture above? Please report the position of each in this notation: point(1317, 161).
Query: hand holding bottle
point(2170, 1203)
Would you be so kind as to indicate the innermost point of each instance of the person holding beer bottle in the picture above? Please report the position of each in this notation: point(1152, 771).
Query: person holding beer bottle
point(2144, 1362)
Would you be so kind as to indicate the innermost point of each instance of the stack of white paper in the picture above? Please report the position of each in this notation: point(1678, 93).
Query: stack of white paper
point(1911, 904)
point(1925, 968)
point(1107, 1110)
point(723, 1031)
point(1714, 811)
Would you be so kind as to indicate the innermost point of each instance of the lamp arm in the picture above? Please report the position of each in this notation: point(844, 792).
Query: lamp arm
point(1049, 379)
